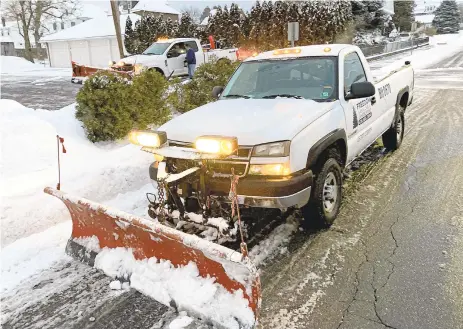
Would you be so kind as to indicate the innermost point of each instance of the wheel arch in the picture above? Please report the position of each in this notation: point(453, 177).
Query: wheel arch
point(157, 69)
point(336, 138)
point(402, 98)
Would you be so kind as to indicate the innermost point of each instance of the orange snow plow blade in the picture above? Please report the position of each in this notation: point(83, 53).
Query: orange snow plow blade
point(117, 229)
point(82, 72)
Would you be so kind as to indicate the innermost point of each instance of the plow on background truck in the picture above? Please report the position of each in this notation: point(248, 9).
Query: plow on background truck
point(277, 139)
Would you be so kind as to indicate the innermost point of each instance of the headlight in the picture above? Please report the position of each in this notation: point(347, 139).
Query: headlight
point(138, 68)
point(121, 63)
point(273, 169)
point(148, 138)
point(278, 149)
point(217, 145)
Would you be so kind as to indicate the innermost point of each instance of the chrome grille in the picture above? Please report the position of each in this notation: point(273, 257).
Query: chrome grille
point(244, 152)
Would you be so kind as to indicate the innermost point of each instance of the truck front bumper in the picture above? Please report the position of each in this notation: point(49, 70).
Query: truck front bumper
point(253, 191)
point(267, 192)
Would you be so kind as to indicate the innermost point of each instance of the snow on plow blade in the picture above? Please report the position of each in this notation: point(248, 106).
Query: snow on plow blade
point(147, 239)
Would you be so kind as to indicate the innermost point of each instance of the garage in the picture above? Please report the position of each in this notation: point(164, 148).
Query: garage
point(91, 43)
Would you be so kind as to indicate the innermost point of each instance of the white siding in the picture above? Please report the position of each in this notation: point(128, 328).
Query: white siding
point(79, 51)
point(59, 54)
point(100, 52)
point(90, 52)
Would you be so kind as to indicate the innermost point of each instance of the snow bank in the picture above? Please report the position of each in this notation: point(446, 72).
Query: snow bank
point(182, 286)
point(111, 173)
point(26, 257)
point(11, 65)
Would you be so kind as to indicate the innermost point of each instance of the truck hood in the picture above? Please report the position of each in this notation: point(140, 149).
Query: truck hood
point(252, 121)
point(143, 59)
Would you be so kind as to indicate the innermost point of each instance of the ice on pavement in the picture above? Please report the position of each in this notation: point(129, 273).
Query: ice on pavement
point(181, 321)
point(274, 242)
point(115, 285)
point(182, 285)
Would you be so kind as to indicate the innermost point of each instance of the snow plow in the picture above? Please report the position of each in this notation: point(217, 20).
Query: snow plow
point(147, 240)
point(82, 72)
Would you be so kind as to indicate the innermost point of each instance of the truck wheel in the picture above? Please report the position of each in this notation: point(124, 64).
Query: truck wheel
point(392, 138)
point(325, 201)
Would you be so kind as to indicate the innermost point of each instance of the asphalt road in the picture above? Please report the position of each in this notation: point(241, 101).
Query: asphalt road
point(39, 92)
point(394, 257)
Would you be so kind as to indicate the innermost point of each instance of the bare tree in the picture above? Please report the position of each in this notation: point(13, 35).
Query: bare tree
point(194, 13)
point(32, 16)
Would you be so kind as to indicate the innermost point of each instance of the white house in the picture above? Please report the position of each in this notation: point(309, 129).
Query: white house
point(84, 13)
point(157, 7)
point(91, 43)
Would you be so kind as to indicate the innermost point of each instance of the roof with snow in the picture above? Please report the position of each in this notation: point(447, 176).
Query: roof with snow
point(206, 20)
point(91, 29)
point(88, 10)
point(425, 19)
point(154, 7)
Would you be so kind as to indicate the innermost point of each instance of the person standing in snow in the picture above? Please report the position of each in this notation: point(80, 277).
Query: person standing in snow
point(191, 61)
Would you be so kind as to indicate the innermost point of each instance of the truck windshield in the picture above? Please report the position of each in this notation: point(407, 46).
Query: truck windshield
point(156, 49)
point(303, 78)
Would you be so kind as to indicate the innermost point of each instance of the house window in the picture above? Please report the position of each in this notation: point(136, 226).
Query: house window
point(62, 25)
point(55, 26)
point(73, 23)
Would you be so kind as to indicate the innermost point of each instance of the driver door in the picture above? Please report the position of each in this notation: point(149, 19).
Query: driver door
point(359, 113)
point(176, 59)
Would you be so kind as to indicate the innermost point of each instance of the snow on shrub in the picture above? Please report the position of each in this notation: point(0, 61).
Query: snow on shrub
point(109, 105)
point(198, 91)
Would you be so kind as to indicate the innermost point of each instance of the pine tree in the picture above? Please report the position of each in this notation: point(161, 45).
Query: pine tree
point(186, 28)
point(447, 19)
point(129, 36)
point(206, 13)
point(403, 14)
point(235, 21)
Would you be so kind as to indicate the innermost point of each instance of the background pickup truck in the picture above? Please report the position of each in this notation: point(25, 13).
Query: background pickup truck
point(168, 56)
point(287, 122)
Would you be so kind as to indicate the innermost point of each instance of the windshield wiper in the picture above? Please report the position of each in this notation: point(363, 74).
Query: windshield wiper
point(284, 95)
point(236, 96)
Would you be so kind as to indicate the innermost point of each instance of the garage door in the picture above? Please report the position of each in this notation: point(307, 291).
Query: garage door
point(100, 52)
point(59, 54)
point(79, 52)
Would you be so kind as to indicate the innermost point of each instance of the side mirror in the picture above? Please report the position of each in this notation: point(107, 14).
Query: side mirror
point(216, 91)
point(407, 62)
point(361, 90)
point(171, 54)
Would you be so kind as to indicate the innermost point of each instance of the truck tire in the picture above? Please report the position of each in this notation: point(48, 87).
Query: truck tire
point(325, 201)
point(392, 138)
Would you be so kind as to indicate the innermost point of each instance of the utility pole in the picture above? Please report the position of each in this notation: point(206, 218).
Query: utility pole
point(117, 26)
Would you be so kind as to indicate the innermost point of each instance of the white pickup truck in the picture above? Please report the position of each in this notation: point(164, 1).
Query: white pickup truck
point(287, 123)
point(167, 56)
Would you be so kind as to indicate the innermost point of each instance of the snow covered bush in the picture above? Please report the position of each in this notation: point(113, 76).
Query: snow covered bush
point(109, 106)
point(148, 102)
point(198, 91)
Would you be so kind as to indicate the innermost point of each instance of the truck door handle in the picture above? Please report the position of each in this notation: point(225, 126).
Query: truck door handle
point(373, 100)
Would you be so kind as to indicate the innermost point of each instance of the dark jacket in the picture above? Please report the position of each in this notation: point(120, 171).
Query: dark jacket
point(190, 56)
